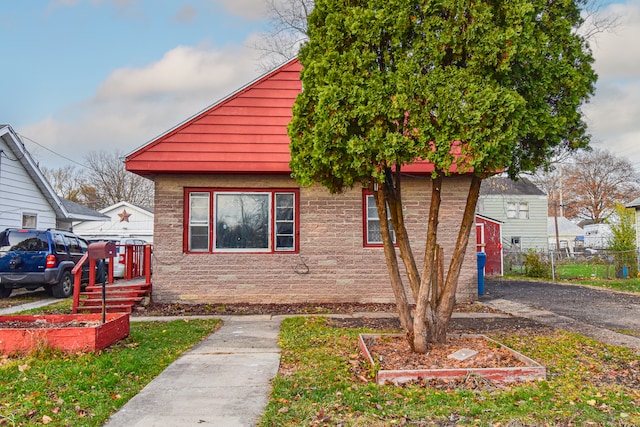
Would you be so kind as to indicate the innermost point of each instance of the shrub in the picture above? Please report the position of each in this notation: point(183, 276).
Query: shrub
point(536, 265)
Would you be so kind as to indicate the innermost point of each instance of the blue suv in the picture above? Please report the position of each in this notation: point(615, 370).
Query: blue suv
point(34, 258)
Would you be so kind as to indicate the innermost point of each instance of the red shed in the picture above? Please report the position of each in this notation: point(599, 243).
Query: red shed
point(489, 241)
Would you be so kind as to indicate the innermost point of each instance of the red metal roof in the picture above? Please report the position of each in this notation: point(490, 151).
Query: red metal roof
point(244, 133)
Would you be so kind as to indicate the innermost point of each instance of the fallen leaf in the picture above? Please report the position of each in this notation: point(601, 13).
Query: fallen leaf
point(23, 368)
point(46, 419)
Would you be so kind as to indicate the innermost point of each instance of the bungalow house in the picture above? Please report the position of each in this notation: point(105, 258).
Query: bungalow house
point(27, 200)
point(522, 209)
point(121, 220)
point(635, 204)
point(232, 226)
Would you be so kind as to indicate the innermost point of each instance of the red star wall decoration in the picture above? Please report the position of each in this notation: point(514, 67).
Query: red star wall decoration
point(124, 216)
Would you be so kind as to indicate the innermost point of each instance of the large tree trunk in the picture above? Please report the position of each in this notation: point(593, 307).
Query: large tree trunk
point(393, 196)
point(391, 259)
point(425, 298)
point(446, 300)
point(435, 296)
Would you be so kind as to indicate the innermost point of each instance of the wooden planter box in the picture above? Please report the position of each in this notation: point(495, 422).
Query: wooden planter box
point(531, 370)
point(66, 332)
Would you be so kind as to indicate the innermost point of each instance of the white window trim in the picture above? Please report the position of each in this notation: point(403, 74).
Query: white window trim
point(212, 193)
point(30, 215)
point(368, 196)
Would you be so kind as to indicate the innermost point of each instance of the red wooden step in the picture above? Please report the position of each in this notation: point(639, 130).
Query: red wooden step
point(139, 286)
point(114, 294)
point(112, 301)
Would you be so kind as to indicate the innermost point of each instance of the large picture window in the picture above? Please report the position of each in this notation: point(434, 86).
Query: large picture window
point(221, 220)
point(372, 234)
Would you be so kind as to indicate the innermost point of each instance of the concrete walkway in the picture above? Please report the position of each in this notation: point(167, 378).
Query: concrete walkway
point(27, 306)
point(223, 381)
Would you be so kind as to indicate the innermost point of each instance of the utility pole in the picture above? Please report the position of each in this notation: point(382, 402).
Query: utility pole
point(555, 213)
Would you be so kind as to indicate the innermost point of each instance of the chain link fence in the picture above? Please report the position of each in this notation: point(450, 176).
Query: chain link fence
point(567, 265)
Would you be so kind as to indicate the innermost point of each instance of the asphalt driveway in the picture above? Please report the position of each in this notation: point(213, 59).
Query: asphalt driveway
point(592, 311)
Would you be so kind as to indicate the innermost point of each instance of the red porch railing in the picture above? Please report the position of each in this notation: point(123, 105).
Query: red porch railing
point(137, 263)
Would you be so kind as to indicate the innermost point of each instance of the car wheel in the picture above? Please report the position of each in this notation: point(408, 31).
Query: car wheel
point(5, 292)
point(64, 288)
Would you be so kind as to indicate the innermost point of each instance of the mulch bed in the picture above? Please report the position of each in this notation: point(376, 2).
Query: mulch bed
point(393, 353)
point(221, 309)
point(43, 324)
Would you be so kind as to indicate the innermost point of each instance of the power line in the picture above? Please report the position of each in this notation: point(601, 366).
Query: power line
point(53, 152)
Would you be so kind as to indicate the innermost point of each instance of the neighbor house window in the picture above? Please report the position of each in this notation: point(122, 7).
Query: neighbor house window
point(29, 220)
point(221, 220)
point(518, 210)
point(372, 234)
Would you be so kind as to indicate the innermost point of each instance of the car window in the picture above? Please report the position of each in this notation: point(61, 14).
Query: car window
point(24, 241)
point(74, 245)
point(58, 241)
point(84, 245)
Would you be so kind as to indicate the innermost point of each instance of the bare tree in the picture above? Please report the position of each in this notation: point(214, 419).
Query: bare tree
point(67, 182)
point(594, 182)
point(287, 31)
point(109, 182)
point(596, 21)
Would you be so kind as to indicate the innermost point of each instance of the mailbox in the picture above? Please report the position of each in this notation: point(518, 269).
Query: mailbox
point(101, 250)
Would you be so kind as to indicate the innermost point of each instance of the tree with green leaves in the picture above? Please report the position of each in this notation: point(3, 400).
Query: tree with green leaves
point(471, 87)
point(622, 242)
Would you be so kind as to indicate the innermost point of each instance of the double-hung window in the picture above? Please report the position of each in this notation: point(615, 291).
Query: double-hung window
point(29, 220)
point(372, 233)
point(518, 210)
point(222, 220)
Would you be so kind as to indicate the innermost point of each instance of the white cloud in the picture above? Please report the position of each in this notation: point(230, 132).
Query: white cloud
point(250, 9)
point(182, 70)
point(134, 105)
point(613, 113)
point(617, 51)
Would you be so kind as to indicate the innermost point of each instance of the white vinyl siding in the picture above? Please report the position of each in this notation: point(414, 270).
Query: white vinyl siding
point(19, 194)
point(523, 216)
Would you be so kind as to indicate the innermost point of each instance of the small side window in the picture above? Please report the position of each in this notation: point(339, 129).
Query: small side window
point(74, 245)
point(59, 243)
point(29, 221)
point(372, 233)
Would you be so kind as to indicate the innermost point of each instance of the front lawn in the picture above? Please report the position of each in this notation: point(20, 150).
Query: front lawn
point(324, 381)
point(84, 389)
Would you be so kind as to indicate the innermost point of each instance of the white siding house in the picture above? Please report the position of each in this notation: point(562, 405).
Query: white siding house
point(522, 209)
point(567, 234)
point(122, 220)
point(27, 200)
point(635, 204)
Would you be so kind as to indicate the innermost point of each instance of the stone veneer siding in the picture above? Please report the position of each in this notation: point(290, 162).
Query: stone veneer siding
point(332, 266)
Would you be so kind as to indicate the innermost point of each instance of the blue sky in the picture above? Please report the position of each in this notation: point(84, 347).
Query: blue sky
point(86, 75)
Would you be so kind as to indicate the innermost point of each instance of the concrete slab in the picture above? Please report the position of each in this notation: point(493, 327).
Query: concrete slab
point(223, 381)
